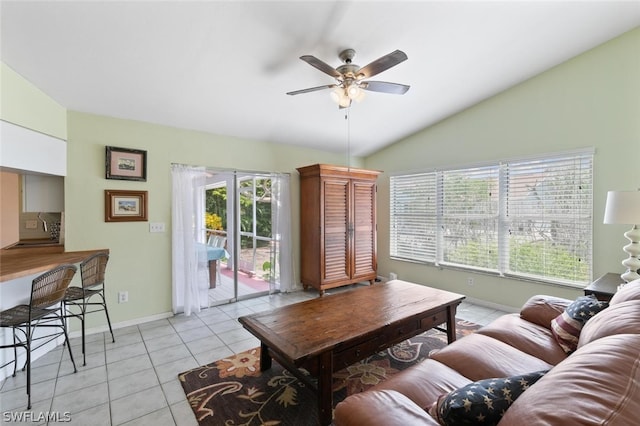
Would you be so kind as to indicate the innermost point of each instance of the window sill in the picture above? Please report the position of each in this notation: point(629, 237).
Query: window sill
point(535, 280)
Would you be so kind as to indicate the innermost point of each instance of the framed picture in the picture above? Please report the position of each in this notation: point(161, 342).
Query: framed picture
point(125, 206)
point(126, 164)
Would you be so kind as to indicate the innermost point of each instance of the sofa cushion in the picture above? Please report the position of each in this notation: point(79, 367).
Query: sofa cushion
point(530, 338)
point(482, 357)
point(424, 382)
point(541, 309)
point(482, 402)
point(566, 327)
point(630, 291)
point(380, 408)
point(620, 318)
point(599, 384)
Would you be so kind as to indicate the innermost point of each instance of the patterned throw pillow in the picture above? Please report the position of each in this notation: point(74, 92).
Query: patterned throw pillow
point(567, 326)
point(482, 402)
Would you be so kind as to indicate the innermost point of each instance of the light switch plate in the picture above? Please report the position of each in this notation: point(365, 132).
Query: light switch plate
point(156, 227)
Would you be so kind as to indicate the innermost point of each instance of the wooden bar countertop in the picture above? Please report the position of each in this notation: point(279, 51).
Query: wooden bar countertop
point(21, 262)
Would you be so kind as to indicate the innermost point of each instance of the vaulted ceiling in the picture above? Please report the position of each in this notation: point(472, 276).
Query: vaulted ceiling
point(224, 66)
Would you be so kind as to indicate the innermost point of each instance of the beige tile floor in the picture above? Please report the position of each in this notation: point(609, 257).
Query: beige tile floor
point(134, 380)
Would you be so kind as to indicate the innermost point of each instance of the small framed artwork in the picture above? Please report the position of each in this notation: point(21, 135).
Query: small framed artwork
point(126, 164)
point(125, 206)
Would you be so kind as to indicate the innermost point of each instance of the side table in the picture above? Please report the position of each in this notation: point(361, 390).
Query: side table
point(604, 287)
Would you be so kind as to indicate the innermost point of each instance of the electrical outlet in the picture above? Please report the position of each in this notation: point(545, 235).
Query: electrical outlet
point(31, 224)
point(470, 281)
point(123, 296)
point(156, 227)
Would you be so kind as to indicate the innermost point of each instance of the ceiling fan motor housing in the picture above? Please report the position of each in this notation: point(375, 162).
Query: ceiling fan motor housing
point(347, 55)
point(348, 70)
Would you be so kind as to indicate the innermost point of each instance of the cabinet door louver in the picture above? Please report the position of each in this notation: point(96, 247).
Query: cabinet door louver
point(364, 238)
point(336, 233)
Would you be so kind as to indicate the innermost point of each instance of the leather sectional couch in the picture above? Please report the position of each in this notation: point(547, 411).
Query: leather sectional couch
point(599, 383)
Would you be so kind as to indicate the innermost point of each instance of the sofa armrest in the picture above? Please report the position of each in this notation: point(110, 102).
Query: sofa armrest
point(380, 408)
point(541, 309)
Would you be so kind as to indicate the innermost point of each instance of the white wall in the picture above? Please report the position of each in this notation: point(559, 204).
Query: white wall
point(29, 150)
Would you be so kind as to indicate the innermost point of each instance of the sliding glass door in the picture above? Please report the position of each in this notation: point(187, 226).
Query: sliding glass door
point(240, 212)
point(231, 236)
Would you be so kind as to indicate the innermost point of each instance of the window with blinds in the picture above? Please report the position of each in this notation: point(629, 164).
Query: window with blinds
point(413, 217)
point(469, 211)
point(524, 218)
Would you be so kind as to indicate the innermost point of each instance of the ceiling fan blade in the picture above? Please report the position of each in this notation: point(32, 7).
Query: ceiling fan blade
point(384, 87)
point(322, 66)
point(311, 89)
point(382, 64)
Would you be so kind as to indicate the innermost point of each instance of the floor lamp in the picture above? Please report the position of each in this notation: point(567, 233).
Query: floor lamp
point(623, 207)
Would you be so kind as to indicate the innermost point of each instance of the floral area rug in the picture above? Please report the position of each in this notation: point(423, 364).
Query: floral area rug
point(233, 391)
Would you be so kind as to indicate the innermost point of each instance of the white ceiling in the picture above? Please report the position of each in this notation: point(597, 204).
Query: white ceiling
point(224, 66)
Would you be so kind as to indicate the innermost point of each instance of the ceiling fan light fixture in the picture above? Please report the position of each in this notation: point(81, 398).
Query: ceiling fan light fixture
point(335, 95)
point(361, 95)
point(340, 96)
point(353, 90)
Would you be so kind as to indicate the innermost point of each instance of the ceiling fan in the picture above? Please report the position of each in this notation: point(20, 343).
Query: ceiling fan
point(350, 78)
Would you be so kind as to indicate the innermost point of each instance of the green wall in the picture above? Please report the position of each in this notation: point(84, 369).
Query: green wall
point(592, 100)
point(140, 262)
point(24, 104)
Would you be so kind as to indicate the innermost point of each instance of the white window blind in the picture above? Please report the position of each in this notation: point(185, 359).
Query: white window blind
point(470, 217)
point(528, 218)
point(549, 218)
point(413, 217)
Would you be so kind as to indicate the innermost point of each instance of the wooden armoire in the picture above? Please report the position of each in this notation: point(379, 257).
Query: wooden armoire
point(337, 226)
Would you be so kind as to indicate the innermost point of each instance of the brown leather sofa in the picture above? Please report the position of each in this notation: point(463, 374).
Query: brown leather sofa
point(599, 383)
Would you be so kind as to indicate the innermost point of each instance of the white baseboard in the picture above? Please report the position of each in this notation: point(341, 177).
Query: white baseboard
point(492, 305)
point(123, 324)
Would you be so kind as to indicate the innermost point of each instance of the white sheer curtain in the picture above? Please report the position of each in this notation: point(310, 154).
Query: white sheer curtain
point(190, 268)
point(281, 208)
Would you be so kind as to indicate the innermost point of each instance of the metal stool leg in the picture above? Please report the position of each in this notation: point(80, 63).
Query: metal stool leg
point(106, 312)
point(66, 339)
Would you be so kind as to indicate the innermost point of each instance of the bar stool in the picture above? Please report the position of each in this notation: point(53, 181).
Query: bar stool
point(92, 271)
point(45, 309)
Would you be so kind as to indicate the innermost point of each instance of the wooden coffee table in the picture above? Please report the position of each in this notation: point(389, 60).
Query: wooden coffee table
point(327, 334)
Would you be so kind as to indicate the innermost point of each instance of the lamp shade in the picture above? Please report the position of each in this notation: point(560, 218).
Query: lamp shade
point(623, 207)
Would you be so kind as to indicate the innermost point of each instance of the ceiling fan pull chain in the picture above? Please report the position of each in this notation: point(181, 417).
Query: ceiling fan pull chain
point(347, 116)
